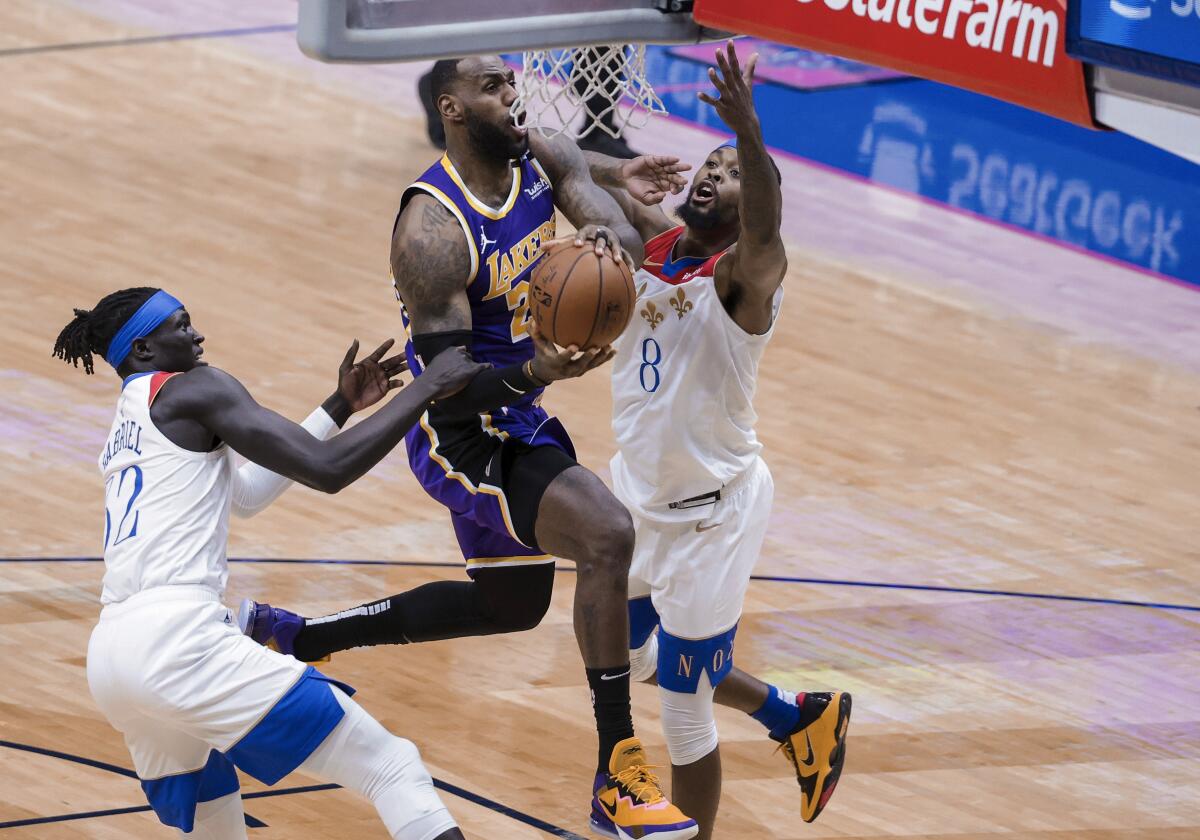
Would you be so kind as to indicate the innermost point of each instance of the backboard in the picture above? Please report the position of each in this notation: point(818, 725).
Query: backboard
point(411, 30)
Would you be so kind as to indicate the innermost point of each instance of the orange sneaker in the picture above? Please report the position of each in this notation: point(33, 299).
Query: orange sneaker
point(628, 804)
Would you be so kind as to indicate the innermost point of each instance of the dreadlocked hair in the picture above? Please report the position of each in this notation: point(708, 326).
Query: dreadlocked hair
point(92, 331)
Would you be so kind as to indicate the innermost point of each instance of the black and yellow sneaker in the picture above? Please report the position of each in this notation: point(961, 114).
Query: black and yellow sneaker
point(817, 748)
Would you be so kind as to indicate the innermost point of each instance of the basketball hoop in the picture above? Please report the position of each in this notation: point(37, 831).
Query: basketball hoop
point(567, 82)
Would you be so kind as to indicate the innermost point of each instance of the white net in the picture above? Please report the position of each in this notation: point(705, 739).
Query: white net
point(605, 83)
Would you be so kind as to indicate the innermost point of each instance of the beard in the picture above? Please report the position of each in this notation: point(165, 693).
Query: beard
point(492, 141)
point(700, 218)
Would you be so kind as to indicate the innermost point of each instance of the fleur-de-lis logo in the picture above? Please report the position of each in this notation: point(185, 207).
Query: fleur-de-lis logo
point(652, 315)
point(681, 304)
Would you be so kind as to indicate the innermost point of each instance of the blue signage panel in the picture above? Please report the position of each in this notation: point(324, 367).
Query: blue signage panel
point(1099, 190)
point(1103, 191)
point(1160, 37)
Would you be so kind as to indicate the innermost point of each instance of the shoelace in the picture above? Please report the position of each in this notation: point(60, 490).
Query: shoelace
point(638, 780)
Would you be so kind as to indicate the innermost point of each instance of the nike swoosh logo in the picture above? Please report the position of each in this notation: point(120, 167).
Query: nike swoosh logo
point(611, 810)
point(810, 761)
point(614, 676)
point(700, 530)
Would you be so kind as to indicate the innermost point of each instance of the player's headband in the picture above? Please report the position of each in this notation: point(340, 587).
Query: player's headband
point(140, 324)
point(728, 144)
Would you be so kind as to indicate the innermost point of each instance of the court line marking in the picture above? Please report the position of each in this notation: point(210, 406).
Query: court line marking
point(148, 39)
point(462, 792)
point(253, 822)
point(866, 584)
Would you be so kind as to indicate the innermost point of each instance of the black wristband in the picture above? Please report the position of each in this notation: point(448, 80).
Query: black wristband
point(429, 346)
point(337, 408)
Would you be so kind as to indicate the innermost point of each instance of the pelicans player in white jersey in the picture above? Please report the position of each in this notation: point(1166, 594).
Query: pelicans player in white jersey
point(688, 465)
point(167, 663)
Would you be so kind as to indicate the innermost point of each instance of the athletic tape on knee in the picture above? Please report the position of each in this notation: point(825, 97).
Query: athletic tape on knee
point(688, 722)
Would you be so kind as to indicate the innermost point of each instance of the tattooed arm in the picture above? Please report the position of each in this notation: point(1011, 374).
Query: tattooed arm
point(431, 266)
point(585, 205)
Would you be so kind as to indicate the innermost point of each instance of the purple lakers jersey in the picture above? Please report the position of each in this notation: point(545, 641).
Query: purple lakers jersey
point(458, 460)
point(503, 243)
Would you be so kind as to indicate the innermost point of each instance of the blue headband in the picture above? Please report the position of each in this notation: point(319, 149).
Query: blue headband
point(140, 324)
point(729, 144)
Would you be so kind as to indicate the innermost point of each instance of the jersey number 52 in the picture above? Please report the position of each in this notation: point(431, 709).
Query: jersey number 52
point(120, 495)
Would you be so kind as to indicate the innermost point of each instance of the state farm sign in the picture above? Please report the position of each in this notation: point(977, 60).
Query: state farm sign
point(1025, 29)
point(1010, 49)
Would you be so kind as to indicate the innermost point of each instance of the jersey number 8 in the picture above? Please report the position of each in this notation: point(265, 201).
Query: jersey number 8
point(648, 373)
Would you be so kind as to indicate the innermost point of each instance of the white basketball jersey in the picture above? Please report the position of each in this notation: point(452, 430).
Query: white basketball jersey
point(683, 385)
point(166, 509)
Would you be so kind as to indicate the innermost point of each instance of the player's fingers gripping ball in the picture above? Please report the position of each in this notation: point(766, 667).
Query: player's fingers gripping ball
point(580, 297)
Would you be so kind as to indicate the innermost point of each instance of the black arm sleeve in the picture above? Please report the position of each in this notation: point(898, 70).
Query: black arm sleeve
point(490, 388)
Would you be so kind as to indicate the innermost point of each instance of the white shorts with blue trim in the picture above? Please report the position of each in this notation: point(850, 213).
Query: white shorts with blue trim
point(695, 575)
point(194, 698)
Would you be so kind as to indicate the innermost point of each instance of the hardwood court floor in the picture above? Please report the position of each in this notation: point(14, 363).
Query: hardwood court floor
point(946, 404)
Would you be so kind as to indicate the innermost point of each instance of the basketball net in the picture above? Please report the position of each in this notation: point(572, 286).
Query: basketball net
point(556, 86)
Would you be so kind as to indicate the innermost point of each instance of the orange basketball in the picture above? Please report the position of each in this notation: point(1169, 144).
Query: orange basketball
point(579, 298)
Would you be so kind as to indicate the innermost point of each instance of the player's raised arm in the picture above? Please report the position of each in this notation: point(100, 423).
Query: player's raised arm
point(224, 407)
point(586, 205)
point(639, 187)
point(755, 268)
point(360, 385)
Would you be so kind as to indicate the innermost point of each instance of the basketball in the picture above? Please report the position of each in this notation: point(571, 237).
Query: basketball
point(580, 298)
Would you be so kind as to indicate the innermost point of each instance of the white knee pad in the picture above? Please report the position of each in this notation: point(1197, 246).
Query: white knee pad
point(400, 765)
point(403, 793)
point(361, 755)
point(688, 722)
point(643, 662)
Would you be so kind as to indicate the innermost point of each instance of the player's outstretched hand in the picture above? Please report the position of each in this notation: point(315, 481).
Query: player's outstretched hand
point(603, 239)
point(451, 371)
point(735, 101)
point(649, 178)
point(362, 384)
point(551, 364)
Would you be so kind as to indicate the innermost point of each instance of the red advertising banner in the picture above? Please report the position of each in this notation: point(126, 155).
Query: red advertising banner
point(1010, 49)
